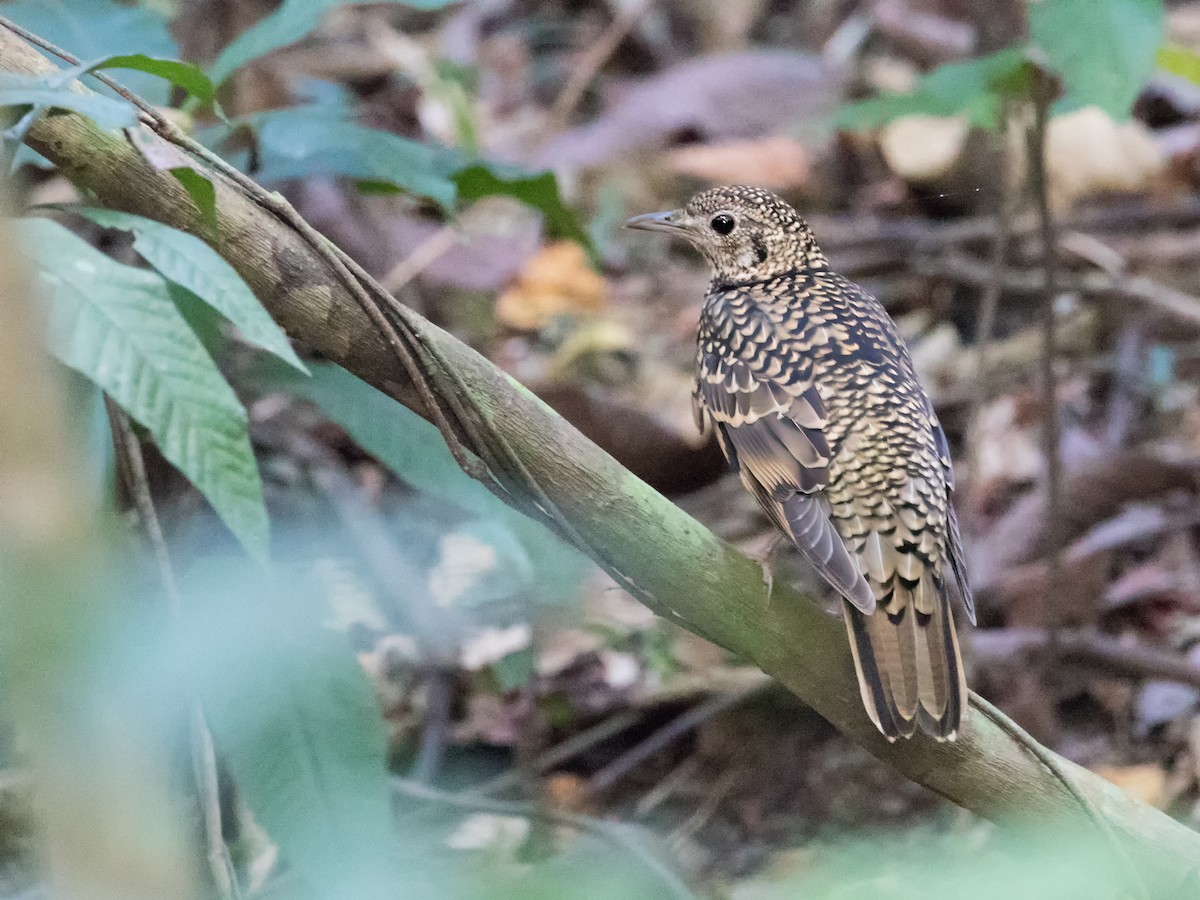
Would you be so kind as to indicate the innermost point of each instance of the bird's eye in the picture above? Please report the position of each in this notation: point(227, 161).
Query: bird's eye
point(722, 224)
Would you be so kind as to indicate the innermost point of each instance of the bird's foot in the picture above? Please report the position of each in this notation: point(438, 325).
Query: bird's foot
point(766, 561)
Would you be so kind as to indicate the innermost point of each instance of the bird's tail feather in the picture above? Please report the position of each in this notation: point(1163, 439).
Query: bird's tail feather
point(909, 668)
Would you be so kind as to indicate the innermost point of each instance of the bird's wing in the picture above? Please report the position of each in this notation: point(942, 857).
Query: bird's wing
point(954, 550)
point(772, 431)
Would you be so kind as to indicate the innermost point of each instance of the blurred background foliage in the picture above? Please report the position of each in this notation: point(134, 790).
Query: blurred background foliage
point(345, 669)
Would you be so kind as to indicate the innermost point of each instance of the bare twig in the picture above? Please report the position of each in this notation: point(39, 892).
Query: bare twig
point(439, 693)
point(1035, 139)
point(1044, 89)
point(592, 60)
point(667, 735)
point(1177, 304)
point(628, 837)
point(421, 258)
point(204, 759)
point(571, 747)
point(990, 303)
point(1091, 650)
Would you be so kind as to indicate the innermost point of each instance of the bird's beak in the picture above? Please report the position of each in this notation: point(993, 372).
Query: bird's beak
point(658, 221)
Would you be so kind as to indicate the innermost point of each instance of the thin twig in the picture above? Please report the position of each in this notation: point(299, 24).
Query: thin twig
point(204, 760)
point(593, 59)
point(1035, 139)
point(990, 303)
point(439, 694)
point(567, 749)
point(1043, 93)
point(628, 837)
point(667, 735)
point(1102, 652)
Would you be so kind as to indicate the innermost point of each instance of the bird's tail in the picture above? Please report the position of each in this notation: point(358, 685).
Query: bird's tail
point(909, 667)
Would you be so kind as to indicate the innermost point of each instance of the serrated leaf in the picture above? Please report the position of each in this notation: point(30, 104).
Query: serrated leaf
point(1103, 49)
point(96, 28)
point(299, 727)
point(539, 190)
point(117, 326)
point(26, 90)
point(296, 143)
point(974, 89)
point(188, 261)
point(185, 75)
point(292, 21)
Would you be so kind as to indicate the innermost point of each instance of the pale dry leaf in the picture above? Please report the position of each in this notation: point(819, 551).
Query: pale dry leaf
point(621, 670)
point(777, 162)
point(488, 831)
point(557, 281)
point(923, 148)
point(490, 645)
point(1146, 782)
point(463, 562)
point(563, 646)
point(1088, 153)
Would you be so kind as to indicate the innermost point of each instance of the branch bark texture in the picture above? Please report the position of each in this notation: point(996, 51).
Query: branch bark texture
point(670, 561)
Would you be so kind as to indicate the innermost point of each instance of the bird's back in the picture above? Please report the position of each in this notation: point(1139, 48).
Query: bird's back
point(881, 474)
point(817, 407)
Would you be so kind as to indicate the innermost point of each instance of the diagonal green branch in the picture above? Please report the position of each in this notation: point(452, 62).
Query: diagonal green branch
point(671, 562)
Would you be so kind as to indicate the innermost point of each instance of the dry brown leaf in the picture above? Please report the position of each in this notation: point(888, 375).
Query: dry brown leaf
point(780, 163)
point(1146, 782)
point(557, 281)
point(737, 95)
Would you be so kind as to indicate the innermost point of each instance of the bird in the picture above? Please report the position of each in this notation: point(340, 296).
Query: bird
point(816, 405)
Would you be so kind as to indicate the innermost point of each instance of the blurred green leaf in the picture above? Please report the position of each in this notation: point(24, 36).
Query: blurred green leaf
point(296, 143)
point(1179, 61)
point(202, 192)
point(487, 179)
point(188, 261)
point(293, 20)
point(185, 75)
point(1103, 49)
point(415, 451)
point(25, 90)
point(974, 89)
point(298, 724)
point(90, 29)
point(119, 327)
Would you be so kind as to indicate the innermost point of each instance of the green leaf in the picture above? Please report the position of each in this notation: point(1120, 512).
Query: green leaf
point(200, 188)
point(25, 90)
point(118, 326)
point(185, 75)
point(974, 89)
point(1179, 61)
point(296, 143)
point(486, 179)
point(298, 725)
point(415, 451)
point(95, 28)
point(292, 21)
point(1103, 49)
point(188, 261)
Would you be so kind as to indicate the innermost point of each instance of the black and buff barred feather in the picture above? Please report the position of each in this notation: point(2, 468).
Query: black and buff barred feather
point(817, 407)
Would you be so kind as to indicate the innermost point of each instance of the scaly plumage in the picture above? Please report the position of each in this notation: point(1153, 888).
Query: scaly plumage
point(817, 407)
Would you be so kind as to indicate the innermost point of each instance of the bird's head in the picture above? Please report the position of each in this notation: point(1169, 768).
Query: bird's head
point(748, 234)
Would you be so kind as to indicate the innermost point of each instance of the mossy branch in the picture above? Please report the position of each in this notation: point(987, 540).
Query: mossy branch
point(669, 561)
